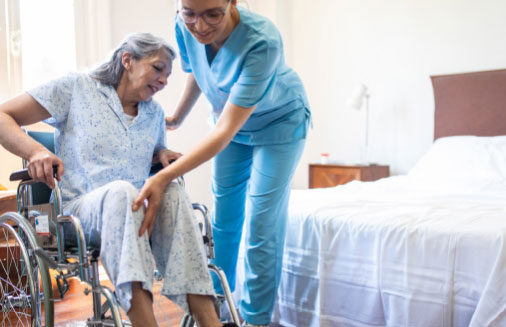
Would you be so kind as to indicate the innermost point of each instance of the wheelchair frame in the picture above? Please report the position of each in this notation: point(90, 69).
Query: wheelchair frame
point(82, 263)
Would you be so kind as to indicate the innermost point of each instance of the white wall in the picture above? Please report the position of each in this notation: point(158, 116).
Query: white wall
point(392, 46)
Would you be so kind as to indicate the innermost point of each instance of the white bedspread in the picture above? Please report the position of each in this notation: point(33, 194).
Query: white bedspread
point(395, 253)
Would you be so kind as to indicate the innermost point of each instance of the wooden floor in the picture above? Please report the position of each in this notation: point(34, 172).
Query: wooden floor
point(76, 308)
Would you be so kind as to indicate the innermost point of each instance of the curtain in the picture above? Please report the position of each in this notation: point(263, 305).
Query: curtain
point(10, 49)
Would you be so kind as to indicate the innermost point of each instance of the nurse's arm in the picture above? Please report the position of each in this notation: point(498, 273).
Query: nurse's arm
point(231, 120)
point(25, 110)
point(190, 95)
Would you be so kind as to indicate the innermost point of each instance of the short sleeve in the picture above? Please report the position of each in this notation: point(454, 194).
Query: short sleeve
point(56, 97)
point(257, 75)
point(185, 62)
point(161, 142)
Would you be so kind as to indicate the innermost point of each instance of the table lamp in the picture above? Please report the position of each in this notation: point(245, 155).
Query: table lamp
point(356, 101)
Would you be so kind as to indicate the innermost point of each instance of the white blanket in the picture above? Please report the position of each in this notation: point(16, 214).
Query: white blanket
point(396, 252)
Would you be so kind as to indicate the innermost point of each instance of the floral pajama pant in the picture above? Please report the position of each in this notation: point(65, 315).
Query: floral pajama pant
point(176, 241)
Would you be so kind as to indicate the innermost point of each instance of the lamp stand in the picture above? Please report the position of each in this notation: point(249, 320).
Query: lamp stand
point(365, 156)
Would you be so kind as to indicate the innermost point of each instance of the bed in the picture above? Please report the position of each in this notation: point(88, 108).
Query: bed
point(424, 249)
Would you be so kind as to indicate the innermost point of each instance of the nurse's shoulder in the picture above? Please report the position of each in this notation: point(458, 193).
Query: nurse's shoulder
point(259, 29)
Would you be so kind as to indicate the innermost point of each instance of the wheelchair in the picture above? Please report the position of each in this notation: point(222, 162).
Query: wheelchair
point(33, 243)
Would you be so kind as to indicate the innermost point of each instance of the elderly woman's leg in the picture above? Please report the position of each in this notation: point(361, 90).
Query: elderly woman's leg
point(180, 257)
point(126, 257)
point(141, 309)
point(203, 311)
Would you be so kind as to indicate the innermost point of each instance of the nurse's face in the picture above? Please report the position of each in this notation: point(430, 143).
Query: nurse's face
point(148, 75)
point(209, 21)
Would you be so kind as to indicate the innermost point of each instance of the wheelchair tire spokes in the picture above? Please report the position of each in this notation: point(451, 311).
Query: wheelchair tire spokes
point(20, 289)
point(25, 291)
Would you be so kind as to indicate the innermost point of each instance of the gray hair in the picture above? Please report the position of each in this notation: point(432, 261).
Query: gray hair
point(139, 45)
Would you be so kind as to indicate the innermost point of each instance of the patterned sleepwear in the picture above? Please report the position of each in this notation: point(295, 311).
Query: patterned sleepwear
point(106, 163)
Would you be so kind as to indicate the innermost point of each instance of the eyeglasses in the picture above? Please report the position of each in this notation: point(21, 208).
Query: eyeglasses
point(212, 16)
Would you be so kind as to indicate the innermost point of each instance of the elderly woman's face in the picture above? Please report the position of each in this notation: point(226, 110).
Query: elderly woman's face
point(148, 75)
point(206, 19)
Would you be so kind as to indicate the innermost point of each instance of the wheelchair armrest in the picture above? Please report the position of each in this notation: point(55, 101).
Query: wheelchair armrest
point(32, 192)
point(20, 175)
point(155, 168)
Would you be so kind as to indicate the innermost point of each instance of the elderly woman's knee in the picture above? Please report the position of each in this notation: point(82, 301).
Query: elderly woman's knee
point(122, 190)
point(174, 191)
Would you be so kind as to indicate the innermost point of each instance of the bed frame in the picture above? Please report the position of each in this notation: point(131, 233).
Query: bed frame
point(470, 104)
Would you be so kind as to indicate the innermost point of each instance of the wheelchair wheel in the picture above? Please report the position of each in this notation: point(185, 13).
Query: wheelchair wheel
point(25, 288)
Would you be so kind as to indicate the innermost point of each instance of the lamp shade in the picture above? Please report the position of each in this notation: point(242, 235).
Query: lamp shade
point(358, 96)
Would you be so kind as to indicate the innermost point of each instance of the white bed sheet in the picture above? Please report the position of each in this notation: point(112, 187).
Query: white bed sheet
point(395, 252)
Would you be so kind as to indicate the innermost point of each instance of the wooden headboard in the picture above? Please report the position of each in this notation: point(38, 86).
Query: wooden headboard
point(470, 104)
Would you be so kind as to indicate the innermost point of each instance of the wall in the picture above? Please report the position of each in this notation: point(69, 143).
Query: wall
point(393, 47)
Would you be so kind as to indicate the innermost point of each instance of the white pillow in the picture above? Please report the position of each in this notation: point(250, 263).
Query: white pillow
point(463, 160)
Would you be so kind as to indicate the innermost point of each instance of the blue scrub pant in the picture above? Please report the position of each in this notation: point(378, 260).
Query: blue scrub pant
point(253, 182)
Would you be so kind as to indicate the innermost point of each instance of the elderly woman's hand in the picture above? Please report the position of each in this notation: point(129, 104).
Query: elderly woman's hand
point(152, 191)
point(40, 167)
point(167, 156)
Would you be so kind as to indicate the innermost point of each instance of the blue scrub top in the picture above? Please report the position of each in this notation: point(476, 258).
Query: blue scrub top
point(250, 70)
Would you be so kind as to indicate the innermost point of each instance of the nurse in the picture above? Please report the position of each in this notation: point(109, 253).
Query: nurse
point(260, 115)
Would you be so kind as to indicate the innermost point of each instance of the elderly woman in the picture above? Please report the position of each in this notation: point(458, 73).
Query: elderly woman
point(108, 129)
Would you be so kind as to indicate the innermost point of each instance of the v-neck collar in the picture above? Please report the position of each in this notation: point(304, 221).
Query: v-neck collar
point(210, 54)
point(113, 102)
point(225, 44)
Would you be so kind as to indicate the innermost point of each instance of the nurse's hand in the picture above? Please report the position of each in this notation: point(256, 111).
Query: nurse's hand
point(40, 167)
point(152, 191)
point(171, 123)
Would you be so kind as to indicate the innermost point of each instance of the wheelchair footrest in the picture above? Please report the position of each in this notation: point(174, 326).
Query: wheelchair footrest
point(63, 284)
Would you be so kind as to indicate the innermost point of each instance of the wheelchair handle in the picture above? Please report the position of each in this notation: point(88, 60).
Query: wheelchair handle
point(23, 175)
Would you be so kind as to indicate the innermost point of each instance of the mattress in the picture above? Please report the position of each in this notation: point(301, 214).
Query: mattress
point(397, 252)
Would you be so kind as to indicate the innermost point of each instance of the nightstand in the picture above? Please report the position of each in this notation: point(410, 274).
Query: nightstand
point(8, 202)
point(331, 175)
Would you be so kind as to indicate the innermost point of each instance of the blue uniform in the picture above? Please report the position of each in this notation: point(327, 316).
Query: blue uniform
point(257, 166)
